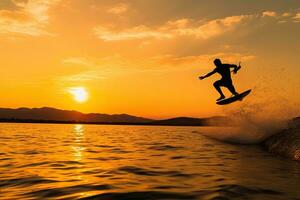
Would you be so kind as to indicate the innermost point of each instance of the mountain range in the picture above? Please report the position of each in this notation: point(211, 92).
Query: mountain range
point(53, 115)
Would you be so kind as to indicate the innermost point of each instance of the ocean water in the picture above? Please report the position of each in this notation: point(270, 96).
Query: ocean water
point(52, 161)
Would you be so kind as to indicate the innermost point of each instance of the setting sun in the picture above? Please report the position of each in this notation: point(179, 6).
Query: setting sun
point(79, 94)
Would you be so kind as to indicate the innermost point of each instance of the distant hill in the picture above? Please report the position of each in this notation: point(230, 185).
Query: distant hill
point(189, 121)
point(53, 115)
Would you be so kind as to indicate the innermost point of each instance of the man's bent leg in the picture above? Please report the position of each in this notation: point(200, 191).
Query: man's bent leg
point(232, 89)
point(217, 85)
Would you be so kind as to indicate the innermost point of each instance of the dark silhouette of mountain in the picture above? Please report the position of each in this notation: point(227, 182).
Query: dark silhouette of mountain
point(189, 121)
point(53, 115)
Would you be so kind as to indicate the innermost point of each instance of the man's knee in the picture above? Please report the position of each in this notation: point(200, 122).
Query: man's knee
point(217, 84)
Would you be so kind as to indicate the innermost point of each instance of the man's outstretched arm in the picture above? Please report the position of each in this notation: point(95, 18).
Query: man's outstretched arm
point(207, 75)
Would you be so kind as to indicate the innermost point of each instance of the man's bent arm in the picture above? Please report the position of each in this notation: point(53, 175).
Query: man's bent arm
point(207, 75)
point(235, 67)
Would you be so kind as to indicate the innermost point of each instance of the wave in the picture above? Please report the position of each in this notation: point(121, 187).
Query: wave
point(286, 142)
point(226, 191)
point(263, 119)
point(280, 138)
point(146, 172)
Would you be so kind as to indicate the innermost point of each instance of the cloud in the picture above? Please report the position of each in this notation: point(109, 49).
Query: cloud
point(118, 9)
point(286, 14)
point(203, 29)
point(269, 14)
point(89, 70)
point(84, 76)
point(82, 61)
point(119, 63)
point(172, 29)
point(297, 17)
point(97, 69)
point(205, 59)
point(30, 17)
point(138, 32)
point(215, 27)
point(90, 62)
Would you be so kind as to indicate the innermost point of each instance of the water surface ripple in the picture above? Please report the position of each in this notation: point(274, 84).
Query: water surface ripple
point(48, 161)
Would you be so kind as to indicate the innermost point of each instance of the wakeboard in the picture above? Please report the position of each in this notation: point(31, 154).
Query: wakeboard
point(232, 99)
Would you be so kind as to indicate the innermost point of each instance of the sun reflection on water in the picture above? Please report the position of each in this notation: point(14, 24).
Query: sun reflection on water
point(78, 147)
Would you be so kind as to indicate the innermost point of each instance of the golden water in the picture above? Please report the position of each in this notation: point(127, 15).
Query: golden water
point(51, 161)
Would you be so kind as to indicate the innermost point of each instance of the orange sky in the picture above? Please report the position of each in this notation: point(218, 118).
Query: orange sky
point(143, 57)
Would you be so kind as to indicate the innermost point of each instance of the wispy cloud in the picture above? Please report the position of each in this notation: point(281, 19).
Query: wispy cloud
point(204, 59)
point(94, 69)
point(283, 17)
point(103, 68)
point(203, 29)
point(79, 61)
point(84, 76)
point(138, 32)
point(91, 62)
point(118, 9)
point(30, 18)
point(171, 29)
point(297, 17)
point(286, 14)
point(269, 14)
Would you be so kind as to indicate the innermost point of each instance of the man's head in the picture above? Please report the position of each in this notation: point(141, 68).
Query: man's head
point(217, 62)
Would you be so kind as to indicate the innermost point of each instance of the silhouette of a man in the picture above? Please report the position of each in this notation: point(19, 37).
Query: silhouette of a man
point(225, 81)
